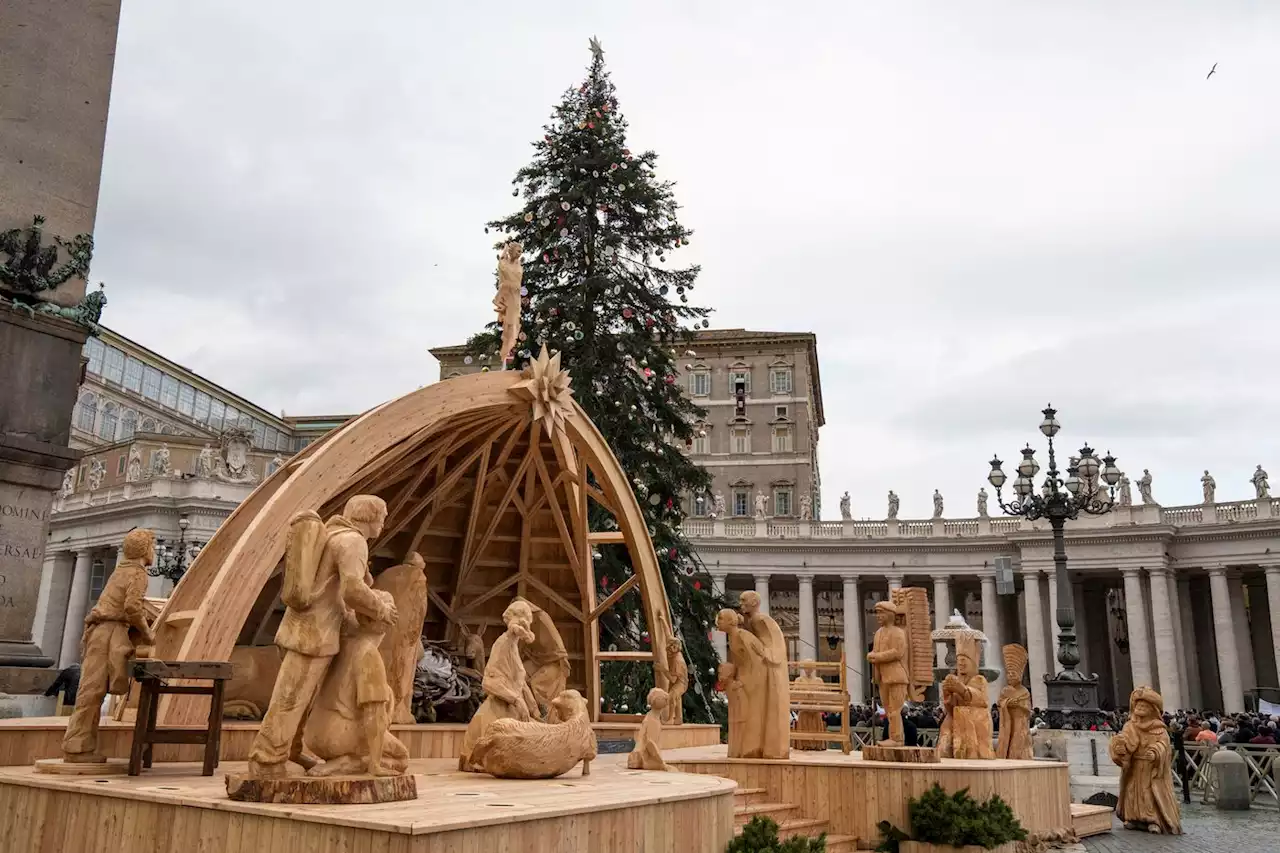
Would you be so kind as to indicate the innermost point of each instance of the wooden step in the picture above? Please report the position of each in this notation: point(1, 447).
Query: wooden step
point(747, 796)
point(842, 844)
point(781, 812)
point(812, 826)
point(1089, 820)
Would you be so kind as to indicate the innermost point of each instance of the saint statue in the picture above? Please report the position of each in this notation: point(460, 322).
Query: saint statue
point(68, 483)
point(893, 506)
point(937, 504)
point(1144, 487)
point(205, 462)
point(114, 629)
point(806, 507)
point(160, 466)
point(773, 704)
point(846, 512)
point(1208, 485)
point(967, 725)
point(811, 722)
point(888, 659)
point(506, 304)
point(97, 472)
point(982, 503)
point(699, 505)
point(507, 693)
point(1145, 755)
point(762, 505)
point(1259, 481)
point(1015, 708)
point(1126, 495)
point(718, 512)
point(133, 473)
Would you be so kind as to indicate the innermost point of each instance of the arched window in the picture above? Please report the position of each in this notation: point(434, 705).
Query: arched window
point(148, 425)
point(87, 411)
point(128, 424)
point(165, 429)
point(107, 423)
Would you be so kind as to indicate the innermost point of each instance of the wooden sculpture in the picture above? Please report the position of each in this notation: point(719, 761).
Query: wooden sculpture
point(545, 660)
point(677, 682)
point(401, 647)
point(888, 659)
point(113, 630)
point(647, 754)
point(1145, 755)
point(349, 725)
point(507, 693)
point(773, 703)
point(506, 304)
point(748, 686)
point(531, 749)
point(727, 683)
point(471, 647)
point(912, 603)
point(967, 725)
point(325, 569)
point(809, 721)
point(1015, 708)
point(901, 658)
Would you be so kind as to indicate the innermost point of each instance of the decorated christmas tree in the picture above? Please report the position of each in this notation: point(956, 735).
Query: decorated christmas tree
point(598, 231)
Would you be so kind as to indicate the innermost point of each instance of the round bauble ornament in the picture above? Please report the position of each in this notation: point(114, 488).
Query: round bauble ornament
point(680, 288)
point(684, 298)
point(528, 217)
point(564, 232)
point(524, 291)
point(627, 313)
point(670, 379)
point(571, 325)
point(706, 323)
point(544, 222)
point(564, 205)
point(698, 585)
point(523, 336)
point(591, 125)
point(663, 290)
point(655, 498)
point(672, 553)
point(648, 373)
point(546, 259)
point(466, 359)
point(613, 167)
point(648, 322)
point(582, 125)
point(595, 173)
point(578, 335)
point(484, 369)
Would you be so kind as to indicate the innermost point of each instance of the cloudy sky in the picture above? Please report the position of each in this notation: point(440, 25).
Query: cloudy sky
point(977, 207)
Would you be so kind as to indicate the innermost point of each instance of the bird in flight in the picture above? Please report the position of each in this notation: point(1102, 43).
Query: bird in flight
point(1211, 70)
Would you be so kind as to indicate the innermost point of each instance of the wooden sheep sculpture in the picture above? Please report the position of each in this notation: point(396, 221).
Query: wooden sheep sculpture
point(518, 749)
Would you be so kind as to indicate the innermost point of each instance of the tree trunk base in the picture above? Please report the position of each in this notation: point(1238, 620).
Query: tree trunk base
point(330, 790)
point(106, 767)
point(902, 754)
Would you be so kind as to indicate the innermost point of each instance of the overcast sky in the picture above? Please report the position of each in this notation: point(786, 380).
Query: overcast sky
point(978, 208)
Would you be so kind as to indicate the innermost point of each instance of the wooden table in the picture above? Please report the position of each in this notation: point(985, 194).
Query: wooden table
point(152, 676)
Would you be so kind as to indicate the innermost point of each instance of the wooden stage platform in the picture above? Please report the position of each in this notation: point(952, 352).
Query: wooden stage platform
point(173, 808)
point(26, 739)
point(853, 795)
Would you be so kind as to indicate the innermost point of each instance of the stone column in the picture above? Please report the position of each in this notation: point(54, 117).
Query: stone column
point(991, 627)
point(762, 588)
point(718, 639)
point(1164, 633)
point(1135, 609)
point(808, 645)
point(1240, 622)
point(1184, 651)
point(855, 657)
point(1082, 628)
point(1190, 647)
point(941, 611)
point(77, 608)
point(895, 582)
point(1039, 660)
point(1053, 618)
point(1273, 603)
point(1225, 634)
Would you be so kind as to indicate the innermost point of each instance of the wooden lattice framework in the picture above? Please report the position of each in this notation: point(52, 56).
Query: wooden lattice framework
point(494, 500)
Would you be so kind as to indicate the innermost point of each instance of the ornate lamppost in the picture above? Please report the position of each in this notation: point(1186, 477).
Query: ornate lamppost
point(1089, 488)
point(172, 561)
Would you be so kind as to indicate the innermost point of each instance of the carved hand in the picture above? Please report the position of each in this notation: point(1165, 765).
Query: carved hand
point(1149, 753)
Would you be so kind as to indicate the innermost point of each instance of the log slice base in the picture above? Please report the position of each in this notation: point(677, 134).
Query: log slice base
point(108, 767)
point(901, 754)
point(325, 790)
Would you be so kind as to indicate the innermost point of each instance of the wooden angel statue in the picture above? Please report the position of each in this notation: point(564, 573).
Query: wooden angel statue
point(647, 754)
point(1145, 755)
point(1015, 708)
point(506, 304)
point(967, 726)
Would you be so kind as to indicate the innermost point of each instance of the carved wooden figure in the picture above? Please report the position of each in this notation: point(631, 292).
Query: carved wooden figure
point(773, 702)
point(1015, 708)
point(401, 647)
point(1145, 756)
point(810, 721)
point(888, 659)
point(545, 659)
point(727, 683)
point(506, 304)
point(647, 754)
point(531, 749)
point(677, 681)
point(114, 628)
point(967, 725)
point(324, 582)
point(746, 685)
point(507, 693)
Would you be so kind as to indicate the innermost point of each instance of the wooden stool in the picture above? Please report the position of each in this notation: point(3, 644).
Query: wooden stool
point(151, 675)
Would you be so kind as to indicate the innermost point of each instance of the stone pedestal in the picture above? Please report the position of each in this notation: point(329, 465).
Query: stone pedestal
point(1231, 781)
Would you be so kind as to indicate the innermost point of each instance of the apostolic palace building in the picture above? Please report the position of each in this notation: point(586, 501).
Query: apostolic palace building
point(1181, 598)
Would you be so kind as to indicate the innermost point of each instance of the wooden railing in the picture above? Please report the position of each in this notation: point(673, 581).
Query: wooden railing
point(826, 698)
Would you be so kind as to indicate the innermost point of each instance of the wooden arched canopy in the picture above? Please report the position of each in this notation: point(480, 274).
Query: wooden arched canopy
point(494, 498)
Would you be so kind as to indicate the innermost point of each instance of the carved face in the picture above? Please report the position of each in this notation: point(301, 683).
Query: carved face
point(967, 666)
point(1014, 678)
point(749, 603)
point(1142, 710)
point(884, 618)
point(726, 620)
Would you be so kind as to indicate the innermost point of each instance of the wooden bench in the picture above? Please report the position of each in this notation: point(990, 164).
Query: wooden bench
point(829, 697)
point(153, 679)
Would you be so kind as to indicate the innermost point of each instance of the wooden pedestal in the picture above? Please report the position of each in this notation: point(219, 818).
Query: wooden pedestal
point(901, 754)
point(110, 767)
point(331, 790)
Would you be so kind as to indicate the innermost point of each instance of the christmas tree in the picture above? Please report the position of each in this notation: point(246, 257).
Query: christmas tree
point(598, 229)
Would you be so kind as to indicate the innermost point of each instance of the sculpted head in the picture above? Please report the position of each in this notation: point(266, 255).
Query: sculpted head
point(140, 545)
point(1145, 703)
point(967, 652)
point(569, 705)
point(728, 620)
point(512, 250)
point(519, 619)
point(806, 666)
point(1015, 662)
point(674, 646)
point(886, 613)
point(415, 559)
point(658, 699)
point(749, 603)
point(367, 513)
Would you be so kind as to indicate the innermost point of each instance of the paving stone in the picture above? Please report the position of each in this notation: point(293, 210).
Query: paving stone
point(1205, 830)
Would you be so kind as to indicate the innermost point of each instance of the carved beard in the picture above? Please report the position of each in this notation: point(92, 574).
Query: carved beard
point(521, 631)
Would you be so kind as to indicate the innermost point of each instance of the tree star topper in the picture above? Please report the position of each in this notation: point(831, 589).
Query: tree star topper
point(547, 386)
point(596, 50)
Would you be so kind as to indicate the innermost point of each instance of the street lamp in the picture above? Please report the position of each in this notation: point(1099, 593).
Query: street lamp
point(171, 561)
point(1088, 488)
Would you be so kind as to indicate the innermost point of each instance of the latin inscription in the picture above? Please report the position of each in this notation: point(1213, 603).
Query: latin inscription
point(24, 529)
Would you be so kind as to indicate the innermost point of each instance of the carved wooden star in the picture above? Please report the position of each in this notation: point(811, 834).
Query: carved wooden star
point(547, 387)
point(597, 52)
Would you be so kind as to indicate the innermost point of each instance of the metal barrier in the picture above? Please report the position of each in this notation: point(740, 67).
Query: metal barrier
point(1262, 761)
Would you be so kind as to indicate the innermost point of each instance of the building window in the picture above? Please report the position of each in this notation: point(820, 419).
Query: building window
point(216, 410)
point(232, 418)
point(700, 505)
point(700, 383)
point(86, 411)
point(782, 438)
point(107, 423)
point(128, 424)
point(203, 403)
point(168, 391)
point(740, 439)
point(741, 503)
point(282, 442)
point(780, 380)
point(120, 463)
point(780, 411)
point(701, 441)
point(742, 375)
point(97, 579)
point(259, 433)
point(782, 501)
point(148, 424)
point(80, 475)
point(150, 383)
point(95, 349)
point(133, 375)
point(113, 366)
point(186, 400)
point(272, 436)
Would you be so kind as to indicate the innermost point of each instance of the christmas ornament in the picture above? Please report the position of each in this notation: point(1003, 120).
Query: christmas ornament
point(577, 336)
point(564, 232)
point(672, 553)
point(564, 205)
point(515, 192)
point(663, 290)
point(698, 585)
point(627, 313)
point(671, 379)
point(524, 291)
point(467, 359)
point(528, 217)
point(595, 173)
point(655, 498)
